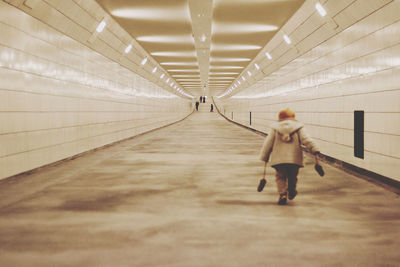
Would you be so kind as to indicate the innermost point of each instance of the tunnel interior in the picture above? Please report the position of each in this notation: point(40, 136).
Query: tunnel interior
point(105, 91)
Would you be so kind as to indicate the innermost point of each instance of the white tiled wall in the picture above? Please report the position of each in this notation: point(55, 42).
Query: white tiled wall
point(59, 98)
point(357, 68)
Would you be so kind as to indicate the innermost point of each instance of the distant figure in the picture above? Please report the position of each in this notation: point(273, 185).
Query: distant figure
point(212, 108)
point(204, 99)
point(197, 105)
point(201, 99)
point(283, 144)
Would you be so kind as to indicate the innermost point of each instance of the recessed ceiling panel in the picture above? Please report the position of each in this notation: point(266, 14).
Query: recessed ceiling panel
point(167, 29)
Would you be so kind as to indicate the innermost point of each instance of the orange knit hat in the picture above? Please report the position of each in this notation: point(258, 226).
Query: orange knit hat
point(286, 114)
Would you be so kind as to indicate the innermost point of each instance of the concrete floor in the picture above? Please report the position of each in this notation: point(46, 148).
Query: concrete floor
point(186, 195)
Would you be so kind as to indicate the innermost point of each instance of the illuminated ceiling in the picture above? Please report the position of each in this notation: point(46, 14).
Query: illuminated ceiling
point(202, 42)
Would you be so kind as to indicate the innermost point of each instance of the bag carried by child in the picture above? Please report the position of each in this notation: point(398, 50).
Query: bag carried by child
point(262, 181)
point(318, 167)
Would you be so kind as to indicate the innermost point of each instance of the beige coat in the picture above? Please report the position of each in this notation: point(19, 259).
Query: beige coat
point(283, 143)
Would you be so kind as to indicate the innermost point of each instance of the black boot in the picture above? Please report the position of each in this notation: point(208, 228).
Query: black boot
point(282, 199)
point(292, 194)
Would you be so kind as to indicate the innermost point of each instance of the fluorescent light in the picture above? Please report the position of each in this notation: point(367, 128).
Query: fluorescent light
point(171, 84)
point(256, 65)
point(184, 70)
point(228, 59)
point(268, 55)
point(154, 70)
point(153, 13)
point(225, 67)
point(187, 75)
point(320, 9)
point(249, 73)
point(186, 38)
point(167, 81)
point(234, 47)
point(174, 54)
point(221, 83)
point(287, 39)
point(238, 82)
point(242, 28)
point(144, 61)
point(220, 78)
point(162, 76)
point(243, 78)
point(180, 63)
point(101, 26)
point(128, 48)
point(222, 73)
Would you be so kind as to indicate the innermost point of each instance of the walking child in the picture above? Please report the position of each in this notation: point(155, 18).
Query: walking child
point(283, 146)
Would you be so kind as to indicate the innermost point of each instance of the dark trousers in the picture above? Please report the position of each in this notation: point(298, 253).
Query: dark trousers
point(286, 177)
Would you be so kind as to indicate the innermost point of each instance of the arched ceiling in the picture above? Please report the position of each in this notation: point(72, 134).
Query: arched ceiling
point(203, 44)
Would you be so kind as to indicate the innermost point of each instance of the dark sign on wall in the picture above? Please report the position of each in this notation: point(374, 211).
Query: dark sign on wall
point(359, 133)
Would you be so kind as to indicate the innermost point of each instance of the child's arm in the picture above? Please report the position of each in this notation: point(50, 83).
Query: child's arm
point(306, 140)
point(267, 146)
